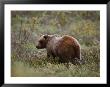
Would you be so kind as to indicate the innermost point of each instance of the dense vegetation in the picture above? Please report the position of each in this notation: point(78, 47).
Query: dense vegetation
point(28, 26)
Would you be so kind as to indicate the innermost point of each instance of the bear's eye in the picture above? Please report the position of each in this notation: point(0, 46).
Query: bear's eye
point(41, 42)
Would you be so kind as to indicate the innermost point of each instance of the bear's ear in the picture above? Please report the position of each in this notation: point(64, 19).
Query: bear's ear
point(46, 36)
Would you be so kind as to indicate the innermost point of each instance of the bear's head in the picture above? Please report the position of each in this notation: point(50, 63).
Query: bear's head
point(42, 42)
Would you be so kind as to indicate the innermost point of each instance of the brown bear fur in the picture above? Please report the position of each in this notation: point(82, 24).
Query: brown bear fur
point(66, 47)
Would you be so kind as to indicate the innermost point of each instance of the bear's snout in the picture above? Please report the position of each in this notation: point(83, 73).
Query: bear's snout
point(37, 47)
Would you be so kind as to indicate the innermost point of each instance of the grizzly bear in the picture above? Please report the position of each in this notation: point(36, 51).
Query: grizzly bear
point(67, 48)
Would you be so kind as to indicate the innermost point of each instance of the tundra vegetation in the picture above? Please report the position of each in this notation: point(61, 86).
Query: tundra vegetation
point(28, 26)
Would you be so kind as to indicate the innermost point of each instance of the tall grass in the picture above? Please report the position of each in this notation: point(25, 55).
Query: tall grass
point(43, 66)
